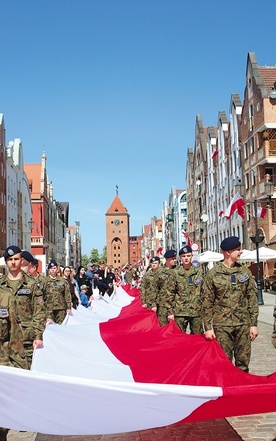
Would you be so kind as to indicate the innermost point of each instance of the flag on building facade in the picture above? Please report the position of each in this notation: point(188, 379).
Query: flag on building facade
point(236, 204)
point(261, 212)
point(221, 213)
point(187, 238)
point(215, 153)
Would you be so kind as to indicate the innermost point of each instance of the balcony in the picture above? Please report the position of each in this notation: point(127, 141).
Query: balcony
point(272, 147)
point(37, 241)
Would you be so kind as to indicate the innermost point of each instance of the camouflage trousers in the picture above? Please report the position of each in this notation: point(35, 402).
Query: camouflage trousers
point(162, 315)
point(29, 349)
point(236, 342)
point(58, 315)
point(195, 324)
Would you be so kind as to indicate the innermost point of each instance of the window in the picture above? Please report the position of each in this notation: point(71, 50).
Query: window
point(251, 118)
point(252, 145)
point(246, 150)
point(269, 171)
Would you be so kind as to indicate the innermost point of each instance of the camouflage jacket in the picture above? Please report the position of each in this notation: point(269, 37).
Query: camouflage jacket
point(30, 305)
point(164, 289)
point(132, 274)
point(230, 297)
point(148, 295)
point(11, 336)
point(57, 294)
point(189, 292)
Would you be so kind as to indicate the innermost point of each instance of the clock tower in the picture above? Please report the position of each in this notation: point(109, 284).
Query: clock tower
point(117, 234)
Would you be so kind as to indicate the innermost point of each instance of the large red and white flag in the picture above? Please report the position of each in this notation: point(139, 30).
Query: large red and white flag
point(236, 204)
point(118, 364)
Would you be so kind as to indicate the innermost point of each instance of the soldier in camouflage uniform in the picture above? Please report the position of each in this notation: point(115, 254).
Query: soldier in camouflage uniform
point(164, 288)
point(132, 275)
point(11, 343)
point(58, 297)
point(146, 288)
point(32, 272)
point(189, 294)
point(230, 305)
point(29, 301)
point(27, 258)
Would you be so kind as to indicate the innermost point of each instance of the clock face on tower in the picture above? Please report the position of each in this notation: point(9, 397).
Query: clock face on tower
point(117, 222)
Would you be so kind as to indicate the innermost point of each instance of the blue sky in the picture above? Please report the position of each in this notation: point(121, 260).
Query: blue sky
point(103, 86)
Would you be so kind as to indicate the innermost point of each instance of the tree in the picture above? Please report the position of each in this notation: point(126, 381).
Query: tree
point(103, 256)
point(84, 260)
point(94, 256)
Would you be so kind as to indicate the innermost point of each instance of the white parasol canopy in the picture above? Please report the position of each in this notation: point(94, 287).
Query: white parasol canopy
point(209, 256)
point(245, 254)
point(265, 254)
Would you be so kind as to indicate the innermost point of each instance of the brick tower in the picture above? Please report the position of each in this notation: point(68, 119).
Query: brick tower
point(117, 233)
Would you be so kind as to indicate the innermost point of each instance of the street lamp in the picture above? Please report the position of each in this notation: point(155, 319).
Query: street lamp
point(12, 224)
point(185, 225)
point(31, 224)
point(257, 239)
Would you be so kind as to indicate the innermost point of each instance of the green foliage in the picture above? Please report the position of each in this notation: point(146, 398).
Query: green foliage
point(95, 257)
point(84, 260)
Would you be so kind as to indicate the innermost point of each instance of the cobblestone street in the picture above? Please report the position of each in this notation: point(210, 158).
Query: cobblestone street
point(261, 427)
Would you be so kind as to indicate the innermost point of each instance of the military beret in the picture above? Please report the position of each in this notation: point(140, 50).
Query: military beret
point(230, 243)
point(155, 259)
point(185, 250)
point(27, 256)
point(11, 251)
point(34, 261)
point(170, 253)
point(52, 263)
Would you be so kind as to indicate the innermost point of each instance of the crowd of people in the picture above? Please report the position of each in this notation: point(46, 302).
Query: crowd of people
point(220, 304)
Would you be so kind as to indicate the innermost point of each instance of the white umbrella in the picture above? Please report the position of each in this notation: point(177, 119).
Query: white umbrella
point(209, 256)
point(245, 254)
point(264, 254)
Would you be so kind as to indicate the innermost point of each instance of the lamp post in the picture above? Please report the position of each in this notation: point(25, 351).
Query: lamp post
point(184, 225)
point(13, 228)
point(257, 239)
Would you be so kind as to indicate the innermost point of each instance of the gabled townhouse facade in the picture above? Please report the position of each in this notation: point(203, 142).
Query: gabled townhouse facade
point(18, 200)
point(236, 156)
